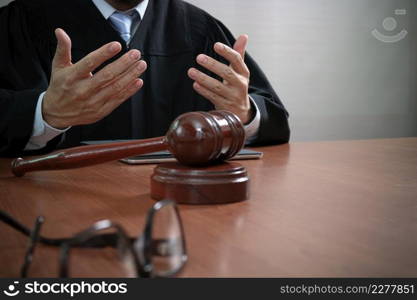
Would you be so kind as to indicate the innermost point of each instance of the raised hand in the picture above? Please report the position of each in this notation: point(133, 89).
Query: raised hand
point(76, 97)
point(232, 93)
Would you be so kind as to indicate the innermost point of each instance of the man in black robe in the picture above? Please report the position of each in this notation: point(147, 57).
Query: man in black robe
point(57, 90)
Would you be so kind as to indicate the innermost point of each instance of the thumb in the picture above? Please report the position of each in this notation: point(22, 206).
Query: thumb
point(62, 56)
point(241, 44)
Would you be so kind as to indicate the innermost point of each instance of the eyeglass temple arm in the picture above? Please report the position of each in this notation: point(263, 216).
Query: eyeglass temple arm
point(34, 238)
point(103, 240)
point(9, 220)
point(159, 246)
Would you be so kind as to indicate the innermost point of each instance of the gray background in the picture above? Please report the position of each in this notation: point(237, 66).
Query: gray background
point(335, 78)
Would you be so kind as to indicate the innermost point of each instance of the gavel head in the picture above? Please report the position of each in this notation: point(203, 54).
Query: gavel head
point(202, 138)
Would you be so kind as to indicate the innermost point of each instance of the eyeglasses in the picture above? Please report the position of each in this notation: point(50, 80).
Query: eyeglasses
point(160, 250)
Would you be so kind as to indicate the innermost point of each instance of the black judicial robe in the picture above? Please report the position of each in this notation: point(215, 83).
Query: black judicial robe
point(171, 35)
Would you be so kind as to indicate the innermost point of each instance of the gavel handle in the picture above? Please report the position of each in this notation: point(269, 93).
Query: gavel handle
point(84, 156)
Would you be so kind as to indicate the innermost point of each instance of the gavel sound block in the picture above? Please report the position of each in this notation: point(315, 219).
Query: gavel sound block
point(217, 184)
point(200, 141)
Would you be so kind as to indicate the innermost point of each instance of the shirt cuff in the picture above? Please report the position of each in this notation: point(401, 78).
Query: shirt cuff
point(42, 132)
point(252, 128)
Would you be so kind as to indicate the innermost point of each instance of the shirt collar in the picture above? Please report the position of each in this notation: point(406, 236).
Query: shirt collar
point(107, 10)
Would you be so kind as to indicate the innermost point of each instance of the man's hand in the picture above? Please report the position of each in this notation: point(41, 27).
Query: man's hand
point(76, 97)
point(232, 93)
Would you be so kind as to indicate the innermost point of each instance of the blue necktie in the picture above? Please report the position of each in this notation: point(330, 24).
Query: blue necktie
point(124, 23)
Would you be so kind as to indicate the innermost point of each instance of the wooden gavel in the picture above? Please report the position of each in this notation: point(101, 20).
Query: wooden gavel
point(194, 138)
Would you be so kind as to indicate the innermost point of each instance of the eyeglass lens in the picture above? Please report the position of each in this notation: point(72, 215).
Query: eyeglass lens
point(167, 242)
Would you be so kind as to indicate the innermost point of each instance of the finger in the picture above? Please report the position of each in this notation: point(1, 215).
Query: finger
point(241, 44)
point(217, 100)
point(125, 79)
point(113, 70)
point(120, 84)
point(93, 60)
point(117, 100)
point(129, 91)
point(218, 68)
point(62, 56)
point(234, 57)
point(210, 83)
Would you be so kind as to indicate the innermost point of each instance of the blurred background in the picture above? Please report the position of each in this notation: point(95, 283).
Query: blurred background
point(345, 69)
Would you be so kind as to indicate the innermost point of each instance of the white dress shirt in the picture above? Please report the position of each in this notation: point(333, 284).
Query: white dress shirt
point(42, 132)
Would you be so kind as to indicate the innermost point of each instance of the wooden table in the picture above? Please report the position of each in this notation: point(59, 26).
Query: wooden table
point(323, 209)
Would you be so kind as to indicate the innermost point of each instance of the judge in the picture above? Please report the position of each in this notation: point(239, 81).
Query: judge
point(77, 70)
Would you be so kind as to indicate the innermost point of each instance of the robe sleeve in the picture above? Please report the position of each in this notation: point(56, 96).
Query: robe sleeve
point(274, 128)
point(22, 78)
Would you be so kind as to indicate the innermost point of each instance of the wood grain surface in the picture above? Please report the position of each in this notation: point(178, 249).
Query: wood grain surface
point(322, 209)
